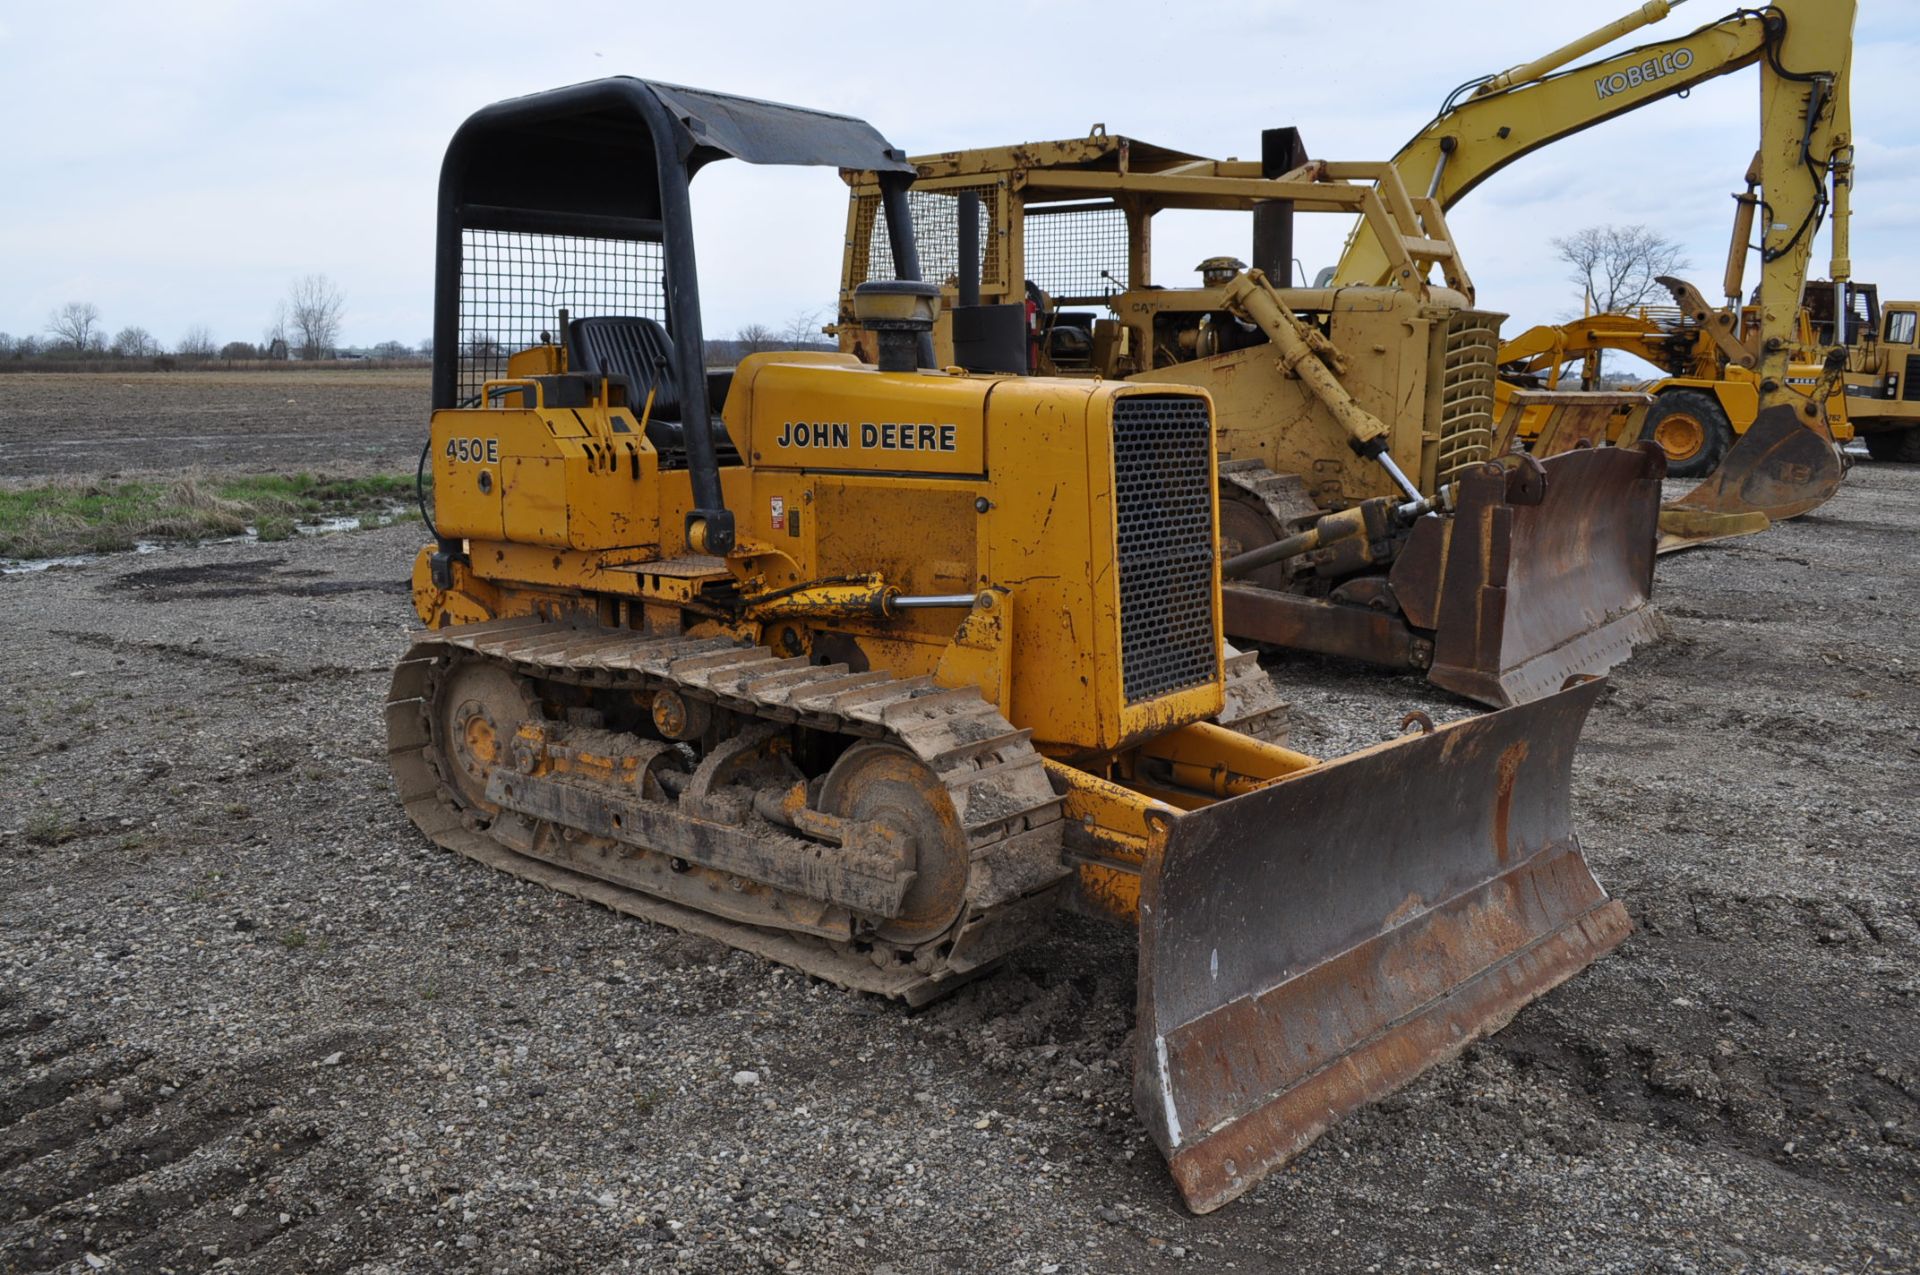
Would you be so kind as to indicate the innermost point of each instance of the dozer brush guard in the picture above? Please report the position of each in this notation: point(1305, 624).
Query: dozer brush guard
point(1310, 947)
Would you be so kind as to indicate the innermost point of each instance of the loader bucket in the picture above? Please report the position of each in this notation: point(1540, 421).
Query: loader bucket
point(1315, 944)
point(1545, 571)
point(1783, 466)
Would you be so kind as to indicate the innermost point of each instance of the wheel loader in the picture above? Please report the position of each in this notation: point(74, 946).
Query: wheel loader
point(869, 667)
point(1369, 509)
point(1696, 411)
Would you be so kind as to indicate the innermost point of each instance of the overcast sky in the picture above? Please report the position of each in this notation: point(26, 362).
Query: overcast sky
point(180, 164)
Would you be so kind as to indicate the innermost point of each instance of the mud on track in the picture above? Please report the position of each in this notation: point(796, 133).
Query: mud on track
point(344, 421)
point(248, 1015)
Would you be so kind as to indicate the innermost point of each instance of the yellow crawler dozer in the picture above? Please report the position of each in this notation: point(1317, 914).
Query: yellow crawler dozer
point(868, 667)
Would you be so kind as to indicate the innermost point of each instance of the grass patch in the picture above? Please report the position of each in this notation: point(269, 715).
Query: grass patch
point(45, 828)
point(67, 516)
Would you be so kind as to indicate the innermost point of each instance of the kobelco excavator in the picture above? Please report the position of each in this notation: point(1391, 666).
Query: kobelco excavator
point(1785, 462)
point(1368, 508)
point(869, 667)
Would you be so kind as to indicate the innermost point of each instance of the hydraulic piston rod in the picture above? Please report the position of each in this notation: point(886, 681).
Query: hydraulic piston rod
point(1650, 12)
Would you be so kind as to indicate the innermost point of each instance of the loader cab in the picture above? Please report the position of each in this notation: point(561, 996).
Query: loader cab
point(1862, 302)
point(565, 254)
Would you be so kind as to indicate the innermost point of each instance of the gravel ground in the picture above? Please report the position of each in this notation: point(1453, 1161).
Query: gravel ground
point(249, 1018)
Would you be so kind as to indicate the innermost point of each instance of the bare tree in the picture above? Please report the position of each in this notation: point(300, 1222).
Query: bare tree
point(197, 343)
point(239, 350)
point(27, 347)
point(426, 348)
point(6, 343)
point(804, 329)
point(275, 333)
point(76, 325)
point(757, 338)
point(135, 343)
point(314, 308)
point(1619, 267)
point(391, 350)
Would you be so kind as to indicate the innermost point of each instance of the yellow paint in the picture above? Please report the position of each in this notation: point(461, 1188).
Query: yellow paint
point(981, 653)
point(575, 499)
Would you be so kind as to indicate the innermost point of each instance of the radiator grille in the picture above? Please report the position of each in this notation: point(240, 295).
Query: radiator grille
point(1910, 386)
point(1466, 392)
point(1163, 508)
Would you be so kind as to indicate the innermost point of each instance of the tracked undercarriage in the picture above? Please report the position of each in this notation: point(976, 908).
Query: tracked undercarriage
point(886, 834)
point(883, 833)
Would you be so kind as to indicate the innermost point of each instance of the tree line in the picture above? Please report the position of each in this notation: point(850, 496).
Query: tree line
point(305, 323)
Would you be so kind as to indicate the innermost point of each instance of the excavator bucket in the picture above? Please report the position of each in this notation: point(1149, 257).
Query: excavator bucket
point(1544, 572)
point(1313, 945)
point(1782, 467)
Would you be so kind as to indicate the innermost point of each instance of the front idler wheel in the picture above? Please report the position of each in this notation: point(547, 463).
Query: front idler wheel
point(885, 784)
point(480, 708)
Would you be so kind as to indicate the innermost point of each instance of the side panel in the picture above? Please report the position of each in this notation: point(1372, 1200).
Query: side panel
point(848, 418)
point(1046, 497)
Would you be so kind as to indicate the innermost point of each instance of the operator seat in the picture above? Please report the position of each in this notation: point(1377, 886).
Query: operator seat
point(636, 349)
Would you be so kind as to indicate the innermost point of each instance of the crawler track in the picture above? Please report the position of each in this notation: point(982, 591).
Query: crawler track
point(989, 770)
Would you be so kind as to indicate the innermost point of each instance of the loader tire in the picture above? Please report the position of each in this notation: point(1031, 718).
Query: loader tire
point(1691, 429)
point(1898, 446)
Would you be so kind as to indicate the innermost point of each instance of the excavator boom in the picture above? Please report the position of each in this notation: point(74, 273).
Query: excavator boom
point(1803, 50)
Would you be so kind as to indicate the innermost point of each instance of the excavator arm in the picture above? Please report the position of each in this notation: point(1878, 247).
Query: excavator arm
point(1489, 123)
point(1785, 464)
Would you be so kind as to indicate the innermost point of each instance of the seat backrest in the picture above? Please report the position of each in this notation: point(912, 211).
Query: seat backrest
point(632, 346)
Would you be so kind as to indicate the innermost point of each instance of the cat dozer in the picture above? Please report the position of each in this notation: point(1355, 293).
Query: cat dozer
point(868, 668)
point(1371, 509)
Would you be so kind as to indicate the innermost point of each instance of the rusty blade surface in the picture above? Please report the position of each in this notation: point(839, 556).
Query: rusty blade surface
point(1783, 466)
point(1546, 575)
point(1312, 946)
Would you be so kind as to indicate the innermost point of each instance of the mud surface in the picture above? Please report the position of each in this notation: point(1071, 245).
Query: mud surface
point(344, 421)
point(249, 1017)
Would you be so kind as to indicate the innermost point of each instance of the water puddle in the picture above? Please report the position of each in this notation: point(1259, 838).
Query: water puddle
point(321, 526)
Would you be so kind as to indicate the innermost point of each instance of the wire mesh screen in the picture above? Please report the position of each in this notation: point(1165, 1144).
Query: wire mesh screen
point(1077, 252)
point(936, 231)
point(514, 284)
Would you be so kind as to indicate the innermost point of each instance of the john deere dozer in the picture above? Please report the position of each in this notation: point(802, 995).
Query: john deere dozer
point(1369, 509)
point(870, 668)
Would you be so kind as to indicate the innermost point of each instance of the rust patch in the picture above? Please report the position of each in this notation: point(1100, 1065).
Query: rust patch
point(1409, 907)
point(1510, 760)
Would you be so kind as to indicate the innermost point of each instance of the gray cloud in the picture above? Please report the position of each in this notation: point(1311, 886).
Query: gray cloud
point(179, 165)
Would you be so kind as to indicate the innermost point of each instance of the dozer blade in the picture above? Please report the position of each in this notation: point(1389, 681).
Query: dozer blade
point(1313, 945)
point(1783, 466)
point(1544, 572)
